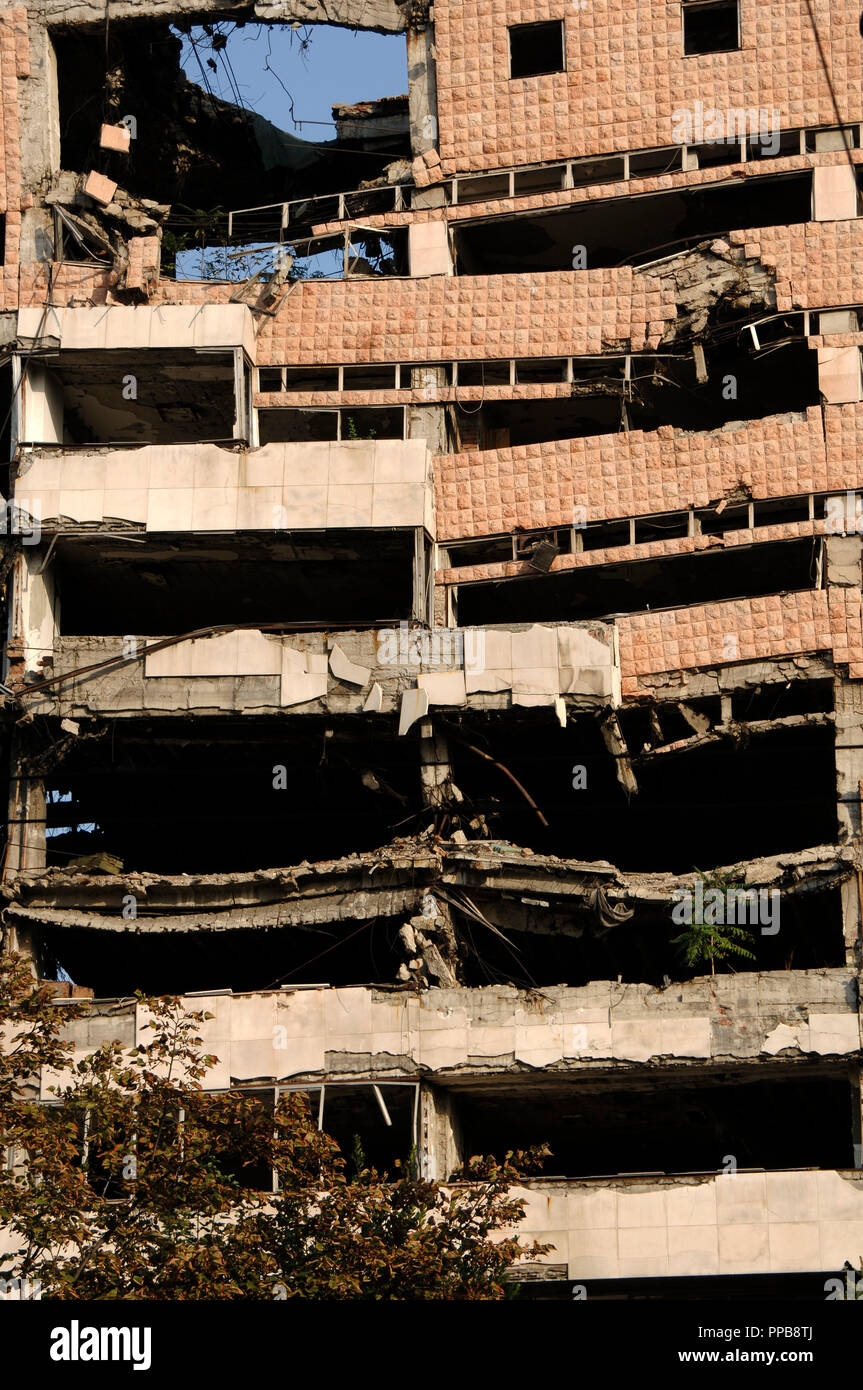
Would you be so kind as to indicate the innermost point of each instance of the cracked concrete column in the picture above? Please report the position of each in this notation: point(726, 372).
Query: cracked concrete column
point(428, 422)
point(422, 78)
point(39, 107)
point(843, 556)
point(440, 1138)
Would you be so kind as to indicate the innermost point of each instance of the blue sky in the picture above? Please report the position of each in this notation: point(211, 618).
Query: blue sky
point(336, 65)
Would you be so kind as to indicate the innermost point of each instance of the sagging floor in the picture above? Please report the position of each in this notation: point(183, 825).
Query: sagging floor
point(495, 938)
point(685, 1120)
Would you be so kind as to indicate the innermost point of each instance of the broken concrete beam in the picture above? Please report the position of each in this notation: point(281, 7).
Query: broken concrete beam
point(699, 723)
point(617, 747)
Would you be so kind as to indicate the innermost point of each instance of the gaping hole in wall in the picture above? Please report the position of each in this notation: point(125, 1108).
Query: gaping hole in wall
point(710, 26)
point(655, 225)
point(535, 49)
point(674, 1123)
point(716, 804)
point(175, 962)
point(663, 390)
point(212, 115)
point(230, 795)
point(157, 396)
point(740, 572)
point(175, 584)
point(779, 700)
point(551, 942)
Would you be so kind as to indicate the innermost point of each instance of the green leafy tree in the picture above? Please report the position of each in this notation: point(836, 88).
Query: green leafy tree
point(133, 1182)
point(704, 942)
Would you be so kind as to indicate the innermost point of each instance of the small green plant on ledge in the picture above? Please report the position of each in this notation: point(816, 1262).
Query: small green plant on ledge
point(711, 932)
point(353, 432)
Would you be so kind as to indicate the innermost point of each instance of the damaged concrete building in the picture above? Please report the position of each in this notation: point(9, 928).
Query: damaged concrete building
point(389, 653)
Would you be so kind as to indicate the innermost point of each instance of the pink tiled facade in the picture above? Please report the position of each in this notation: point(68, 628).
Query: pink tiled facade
point(790, 624)
point(626, 75)
point(634, 474)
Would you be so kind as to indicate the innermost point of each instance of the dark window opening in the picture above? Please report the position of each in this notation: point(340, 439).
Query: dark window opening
point(639, 585)
point(299, 379)
point(719, 152)
point(714, 522)
point(130, 396)
point(484, 373)
point(587, 171)
point(720, 803)
point(542, 180)
point(288, 425)
point(662, 528)
point(783, 510)
point(378, 253)
point(483, 188)
point(540, 369)
point(199, 798)
point(369, 378)
point(740, 386)
point(670, 1125)
point(354, 1118)
point(601, 535)
point(654, 162)
point(783, 698)
point(295, 426)
point(710, 28)
point(657, 224)
point(340, 954)
point(178, 584)
point(781, 143)
point(483, 552)
point(535, 49)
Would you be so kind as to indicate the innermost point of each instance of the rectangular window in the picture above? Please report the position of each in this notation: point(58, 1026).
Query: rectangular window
point(536, 49)
point(711, 26)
